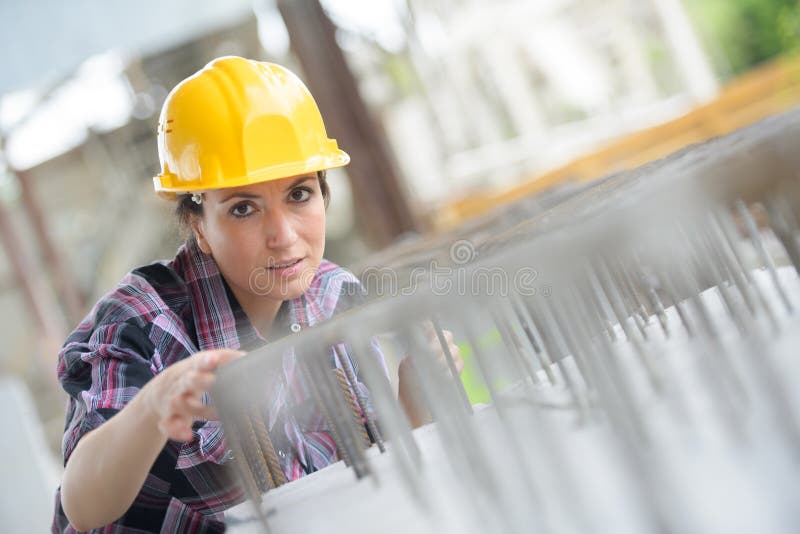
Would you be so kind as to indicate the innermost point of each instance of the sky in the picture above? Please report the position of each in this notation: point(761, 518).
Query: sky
point(44, 40)
point(39, 48)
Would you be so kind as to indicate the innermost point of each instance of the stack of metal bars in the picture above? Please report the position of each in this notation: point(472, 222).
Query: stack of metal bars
point(640, 369)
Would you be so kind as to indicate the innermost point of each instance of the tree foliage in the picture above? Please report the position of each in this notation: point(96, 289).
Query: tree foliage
point(740, 34)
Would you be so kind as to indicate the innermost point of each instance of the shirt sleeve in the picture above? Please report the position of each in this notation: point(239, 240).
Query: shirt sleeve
point(101, 370)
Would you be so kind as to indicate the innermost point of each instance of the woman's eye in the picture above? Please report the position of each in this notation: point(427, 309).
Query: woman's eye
point(241, 210)
point(300, 194)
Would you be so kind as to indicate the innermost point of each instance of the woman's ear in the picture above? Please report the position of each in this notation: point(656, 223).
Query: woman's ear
point(199, 234)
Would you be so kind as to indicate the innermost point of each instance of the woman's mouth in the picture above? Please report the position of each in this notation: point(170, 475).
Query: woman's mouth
point(286, 268)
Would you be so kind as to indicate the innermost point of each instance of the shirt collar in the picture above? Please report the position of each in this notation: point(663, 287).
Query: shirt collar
point(220, 321)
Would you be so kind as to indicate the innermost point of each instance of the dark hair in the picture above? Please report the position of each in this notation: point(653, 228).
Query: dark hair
point(187, 208)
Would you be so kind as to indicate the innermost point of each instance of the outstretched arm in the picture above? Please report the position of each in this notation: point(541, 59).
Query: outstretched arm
point(109, 465)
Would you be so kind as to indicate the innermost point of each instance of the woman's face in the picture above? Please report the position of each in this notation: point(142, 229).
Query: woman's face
point(267, 239)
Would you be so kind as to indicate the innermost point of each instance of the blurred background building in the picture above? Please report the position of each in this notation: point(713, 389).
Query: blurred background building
point(450, 108)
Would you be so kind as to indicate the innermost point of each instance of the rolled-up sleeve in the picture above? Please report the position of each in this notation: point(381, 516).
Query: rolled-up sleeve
point(101, 371)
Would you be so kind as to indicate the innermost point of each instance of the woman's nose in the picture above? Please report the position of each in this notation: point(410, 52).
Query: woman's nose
point(280, 230)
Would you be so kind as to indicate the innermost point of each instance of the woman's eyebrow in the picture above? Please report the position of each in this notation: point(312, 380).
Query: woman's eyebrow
point(299, 181)
point(240, 195)
point(253, 195)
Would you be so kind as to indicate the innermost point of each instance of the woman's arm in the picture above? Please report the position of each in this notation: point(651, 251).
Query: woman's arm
point(109, 465)
point(410, 395)
point(409, 391)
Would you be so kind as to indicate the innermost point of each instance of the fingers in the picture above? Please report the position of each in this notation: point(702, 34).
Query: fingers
point(177, 428)
point(198, 381)
point(175, 396)
point(212, 359)
point(184, 411)
point(183, 403)
point(190, 404)
point(456, 352)
point(438, 347)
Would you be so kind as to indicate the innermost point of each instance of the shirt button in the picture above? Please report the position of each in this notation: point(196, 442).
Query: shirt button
point(295, 327)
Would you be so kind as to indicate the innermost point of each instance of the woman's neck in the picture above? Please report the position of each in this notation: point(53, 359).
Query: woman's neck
point(261, 311)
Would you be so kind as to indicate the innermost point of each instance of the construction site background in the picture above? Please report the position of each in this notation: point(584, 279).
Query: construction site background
point(456, 108)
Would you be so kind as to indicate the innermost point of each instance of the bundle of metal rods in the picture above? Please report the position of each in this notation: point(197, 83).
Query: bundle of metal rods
point(638, 343)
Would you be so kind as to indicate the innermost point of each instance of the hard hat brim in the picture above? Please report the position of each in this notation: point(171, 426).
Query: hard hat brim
point(166, 187)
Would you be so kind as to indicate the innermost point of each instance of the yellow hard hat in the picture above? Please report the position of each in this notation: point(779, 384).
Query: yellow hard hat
point(238, 122)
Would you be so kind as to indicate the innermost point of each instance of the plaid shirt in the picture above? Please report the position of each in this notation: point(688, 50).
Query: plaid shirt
point(159, 315)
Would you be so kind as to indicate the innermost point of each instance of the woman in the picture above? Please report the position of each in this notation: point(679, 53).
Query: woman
point(243, 152)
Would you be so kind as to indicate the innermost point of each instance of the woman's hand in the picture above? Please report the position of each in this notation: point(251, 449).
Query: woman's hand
point(409, 391)
point(174, 396)
point(438, 350)
point(435, 347)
